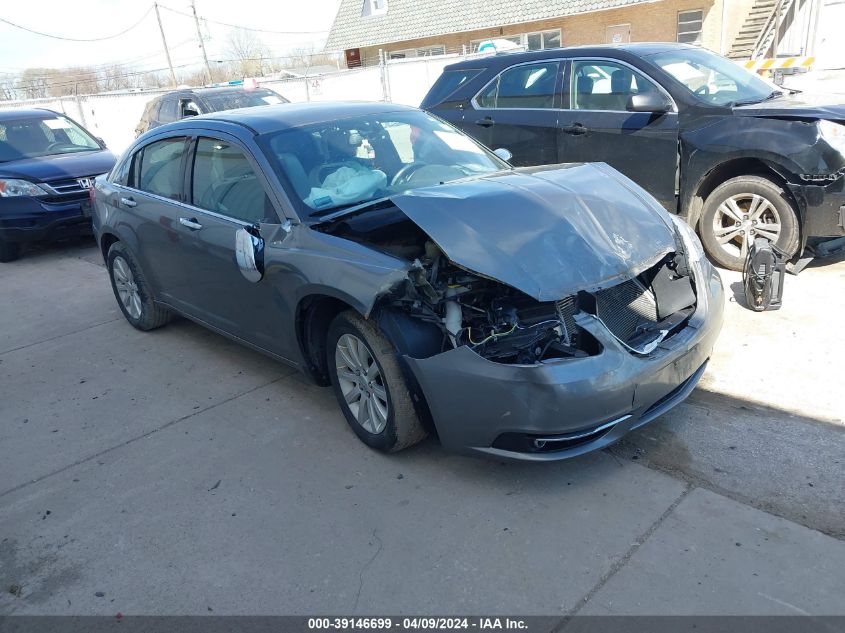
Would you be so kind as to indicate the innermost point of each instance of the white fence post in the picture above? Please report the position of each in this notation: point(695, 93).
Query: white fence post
point(385, 75)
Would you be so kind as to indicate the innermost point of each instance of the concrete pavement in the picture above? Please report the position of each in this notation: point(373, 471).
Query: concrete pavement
point(177, 473)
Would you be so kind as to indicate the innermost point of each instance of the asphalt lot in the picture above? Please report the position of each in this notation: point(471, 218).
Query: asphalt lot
point(175, 472)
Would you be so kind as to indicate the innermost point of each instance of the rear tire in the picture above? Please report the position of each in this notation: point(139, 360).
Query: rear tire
point(9, 251)
point(378, 387)
point(132, 291)
point(741, 209)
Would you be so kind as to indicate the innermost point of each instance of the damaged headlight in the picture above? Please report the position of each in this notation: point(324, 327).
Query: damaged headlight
point(833, 134)
point(695, 251)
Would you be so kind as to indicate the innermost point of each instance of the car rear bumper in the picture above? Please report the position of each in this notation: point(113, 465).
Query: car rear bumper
point(565, 408)
point(30, 220)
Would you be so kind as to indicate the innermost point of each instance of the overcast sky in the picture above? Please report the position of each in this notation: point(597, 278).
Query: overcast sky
point(142, 46)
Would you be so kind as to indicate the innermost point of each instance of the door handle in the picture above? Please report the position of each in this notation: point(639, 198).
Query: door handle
point(485, 122)
point(191, 223)
point(575, 129)
point(128, 202)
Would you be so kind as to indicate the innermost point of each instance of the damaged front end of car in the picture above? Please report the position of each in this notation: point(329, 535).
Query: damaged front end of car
point(523, 338)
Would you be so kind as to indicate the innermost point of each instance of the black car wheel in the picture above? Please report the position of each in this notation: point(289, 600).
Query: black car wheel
point(132, 291)
point(369, 385)
point(742, 209)
point(9, 251)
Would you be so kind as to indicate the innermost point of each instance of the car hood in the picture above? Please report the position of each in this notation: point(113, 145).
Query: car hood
point(59, 167)
point(547, 231)
point(801, 105)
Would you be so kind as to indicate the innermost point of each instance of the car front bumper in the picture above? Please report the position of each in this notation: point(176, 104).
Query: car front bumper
point(31, 220)
point(824, 207)
point(567, 407)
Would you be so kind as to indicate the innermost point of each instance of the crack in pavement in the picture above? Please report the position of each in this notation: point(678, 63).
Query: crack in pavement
point(58, 336)
point(620, 563)
point(365, 567)
point(144, 436)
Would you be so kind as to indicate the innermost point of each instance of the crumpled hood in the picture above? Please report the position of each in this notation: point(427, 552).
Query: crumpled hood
point(547, 231)
point(801, 105)
point(60, 166)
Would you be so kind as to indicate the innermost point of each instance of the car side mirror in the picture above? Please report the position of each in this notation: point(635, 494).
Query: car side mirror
point(249, 253)
point(504, 154)
point(652, 101)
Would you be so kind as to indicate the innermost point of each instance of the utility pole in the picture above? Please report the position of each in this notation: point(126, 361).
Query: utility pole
point(166, 50)
point(202, 44)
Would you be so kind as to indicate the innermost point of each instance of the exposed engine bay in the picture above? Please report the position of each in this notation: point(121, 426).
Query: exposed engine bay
point(457, 307)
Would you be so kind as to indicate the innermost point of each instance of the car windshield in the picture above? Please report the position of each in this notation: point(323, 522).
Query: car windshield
point(232, 99)
point(713, 78)
point(341, 163)
point(31, 137)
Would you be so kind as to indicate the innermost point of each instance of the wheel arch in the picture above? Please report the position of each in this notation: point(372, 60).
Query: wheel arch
point(732, 168)
point(314, 314)
point(106, 240)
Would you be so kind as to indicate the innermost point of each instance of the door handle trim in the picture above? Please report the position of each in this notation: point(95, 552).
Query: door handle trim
point(128, 202)
point(485, 122)
point(575, 129)
point(191, 223)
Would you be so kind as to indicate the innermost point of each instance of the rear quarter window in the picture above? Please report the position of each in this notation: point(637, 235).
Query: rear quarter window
point(157, 168)
point(447, 84)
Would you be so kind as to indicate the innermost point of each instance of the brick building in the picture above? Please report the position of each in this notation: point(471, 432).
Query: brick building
point(413, 28)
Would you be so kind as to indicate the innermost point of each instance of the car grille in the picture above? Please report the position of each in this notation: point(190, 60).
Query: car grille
point(626, 307)
point(67, 190)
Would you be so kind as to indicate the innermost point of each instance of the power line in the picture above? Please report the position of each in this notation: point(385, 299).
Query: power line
point(245, 28)
point(90, 68)
point(77, 39)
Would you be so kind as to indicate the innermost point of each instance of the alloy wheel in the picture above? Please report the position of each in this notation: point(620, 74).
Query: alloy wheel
point(127, 288)
point(743, 217)
point(361, 383)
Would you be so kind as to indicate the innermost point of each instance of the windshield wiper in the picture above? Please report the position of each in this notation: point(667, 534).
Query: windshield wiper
point(345, 209)
point(774, 94)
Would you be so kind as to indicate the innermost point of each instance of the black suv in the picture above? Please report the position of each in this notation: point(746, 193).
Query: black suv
point(736, 156)
point(180, 104)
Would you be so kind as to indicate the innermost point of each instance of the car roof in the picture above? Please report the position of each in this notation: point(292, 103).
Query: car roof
point(25, 113)
point(271, 118)
point(637, 49)
point(216, 90)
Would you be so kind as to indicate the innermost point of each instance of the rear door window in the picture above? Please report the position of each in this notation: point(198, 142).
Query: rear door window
point(157, 168)
point(224, 181)
point(529, 86)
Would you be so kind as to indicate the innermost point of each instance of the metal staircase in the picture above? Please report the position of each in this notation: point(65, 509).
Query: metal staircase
point(757, 33)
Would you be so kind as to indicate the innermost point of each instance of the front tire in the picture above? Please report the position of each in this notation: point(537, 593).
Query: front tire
point(9, 251)
point(369, 384)
point(132, 290)
point(741, 209)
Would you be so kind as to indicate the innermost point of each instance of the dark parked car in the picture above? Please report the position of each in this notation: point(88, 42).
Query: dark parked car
point(180, 104)
point(734, 155)
point(47, 165)
point(527, 313)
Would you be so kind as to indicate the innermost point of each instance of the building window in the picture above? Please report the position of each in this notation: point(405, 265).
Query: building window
point(424, 51)
point(689, 26)
point(374, 7)
point(543, 39)
point(529, 41)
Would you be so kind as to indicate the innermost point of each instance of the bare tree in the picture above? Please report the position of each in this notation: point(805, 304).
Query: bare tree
point(250, 54)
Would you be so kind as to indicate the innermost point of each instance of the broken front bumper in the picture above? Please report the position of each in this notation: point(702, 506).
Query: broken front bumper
point(567, 407)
